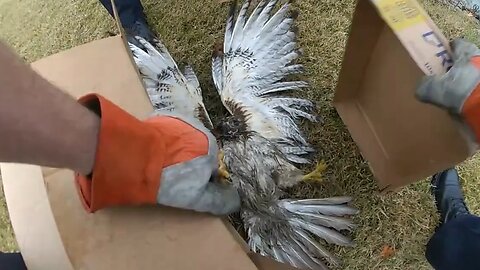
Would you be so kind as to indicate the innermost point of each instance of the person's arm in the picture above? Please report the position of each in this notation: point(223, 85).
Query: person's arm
point(40, 124)
point(119, 159)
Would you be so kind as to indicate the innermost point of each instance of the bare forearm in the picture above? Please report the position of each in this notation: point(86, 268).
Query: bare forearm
point(40, 124)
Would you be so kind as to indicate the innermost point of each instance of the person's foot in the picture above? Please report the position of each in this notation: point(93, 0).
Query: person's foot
point(132, 18)
point(139, 28)
point(12, 261)
point(448, 195)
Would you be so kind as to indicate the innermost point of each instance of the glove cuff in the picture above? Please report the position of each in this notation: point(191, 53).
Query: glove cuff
point(471, 112)
point(128, 166)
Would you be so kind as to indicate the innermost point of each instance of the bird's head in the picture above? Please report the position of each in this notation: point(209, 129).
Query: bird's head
point(232, 128)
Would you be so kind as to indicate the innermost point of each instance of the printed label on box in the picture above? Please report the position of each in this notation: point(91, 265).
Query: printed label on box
point(400, 14)
point(410, 23)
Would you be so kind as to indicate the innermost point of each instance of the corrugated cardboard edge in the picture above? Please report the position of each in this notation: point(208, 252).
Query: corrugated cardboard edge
point(29, 179)
point(124, 39)
point(117, 19)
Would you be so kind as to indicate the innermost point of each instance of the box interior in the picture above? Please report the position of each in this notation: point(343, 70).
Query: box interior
point(403, 139)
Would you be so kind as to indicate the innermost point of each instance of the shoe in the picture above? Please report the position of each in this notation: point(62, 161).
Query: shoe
point(12, 261)
point(448, 195)
point(139, 28)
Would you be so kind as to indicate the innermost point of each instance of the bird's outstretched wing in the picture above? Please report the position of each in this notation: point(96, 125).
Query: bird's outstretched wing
point(168, 88)
point(250, 75)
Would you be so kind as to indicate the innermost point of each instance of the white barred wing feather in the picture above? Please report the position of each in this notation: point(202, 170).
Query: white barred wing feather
point(167, 87)
point(251, 71)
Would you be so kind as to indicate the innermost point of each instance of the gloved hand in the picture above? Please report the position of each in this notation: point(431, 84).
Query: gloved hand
point(458, 89)
point(163, 160)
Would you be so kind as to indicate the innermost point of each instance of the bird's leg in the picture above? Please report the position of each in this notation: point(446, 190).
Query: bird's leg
point(223, 174)
point(316, 174)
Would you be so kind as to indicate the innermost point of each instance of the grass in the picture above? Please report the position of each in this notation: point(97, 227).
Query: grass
point(404, 220)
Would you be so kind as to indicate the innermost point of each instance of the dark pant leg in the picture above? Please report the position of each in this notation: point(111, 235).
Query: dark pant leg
point(456, 245)
point(11, 261)
point(129, 11)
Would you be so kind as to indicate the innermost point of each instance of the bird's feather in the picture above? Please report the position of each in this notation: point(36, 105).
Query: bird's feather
point(323, 201)
point(258, 54)
point(315, 247)
point(168, 89)
point(338, 223)
point(302, 258)
point(329, 235)
point(327, 209)
point(306, 255)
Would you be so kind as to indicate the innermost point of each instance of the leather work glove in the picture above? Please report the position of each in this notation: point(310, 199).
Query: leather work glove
point(458, 89)
point(163, 160)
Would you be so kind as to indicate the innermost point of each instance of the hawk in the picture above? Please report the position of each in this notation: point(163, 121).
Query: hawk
point(261, 142)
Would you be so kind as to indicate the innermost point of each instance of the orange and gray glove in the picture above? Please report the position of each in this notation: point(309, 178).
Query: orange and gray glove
point(458, 90)
point(163, 160)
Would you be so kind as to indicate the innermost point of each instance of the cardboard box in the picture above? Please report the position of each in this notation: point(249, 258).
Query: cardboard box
point(392, 45)
point(53, 230)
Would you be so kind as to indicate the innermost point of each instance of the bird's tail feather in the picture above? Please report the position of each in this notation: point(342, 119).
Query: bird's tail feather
point(296, 241)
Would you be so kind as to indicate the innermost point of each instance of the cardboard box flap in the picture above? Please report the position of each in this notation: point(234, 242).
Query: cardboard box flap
point(108, 61)
point(32, 218)
point(126, 238)
point(141, 237)
point(403, 139)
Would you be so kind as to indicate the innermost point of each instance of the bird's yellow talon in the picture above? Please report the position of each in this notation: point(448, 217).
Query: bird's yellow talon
point(223, 174)
point(316, 174)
